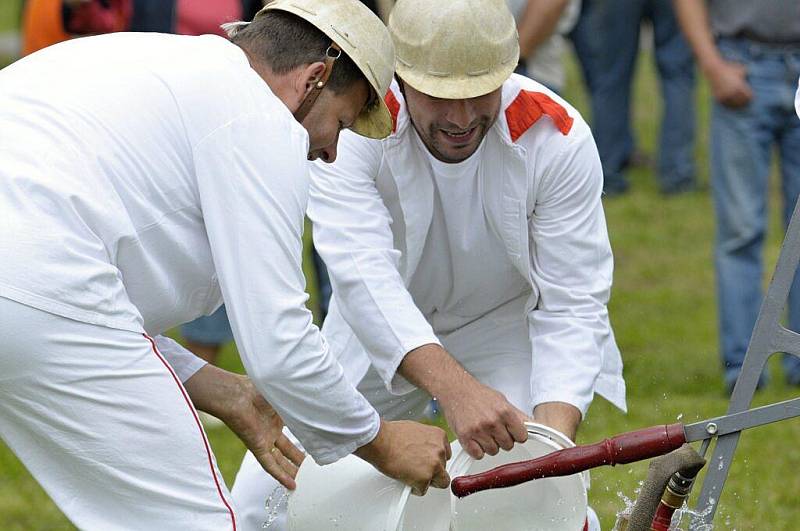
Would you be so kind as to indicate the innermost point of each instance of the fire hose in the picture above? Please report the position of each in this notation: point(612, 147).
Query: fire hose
point(669, 481)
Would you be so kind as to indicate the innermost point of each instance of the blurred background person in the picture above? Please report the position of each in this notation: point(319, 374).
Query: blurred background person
point(190, 17)
point(750, 54)
point(606, 40)
point(542, 25)
point(47, 22)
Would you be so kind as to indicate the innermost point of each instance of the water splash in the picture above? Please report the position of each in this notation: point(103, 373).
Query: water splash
point(625, 513)
point(682, 517)
point(272, 509)
point(693, 518)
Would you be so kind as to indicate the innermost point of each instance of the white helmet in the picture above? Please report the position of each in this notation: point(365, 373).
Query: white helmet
point(454, 49)
point(360, 34)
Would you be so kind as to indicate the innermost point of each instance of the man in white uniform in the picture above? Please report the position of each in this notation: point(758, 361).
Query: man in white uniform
point(472, 263)
point(142, 179)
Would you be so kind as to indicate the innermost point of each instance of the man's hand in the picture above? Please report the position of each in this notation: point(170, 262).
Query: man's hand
point(560, 416)
point(410, 452)
point(234, 399)
point(729, 84)
point(482, 419)
point(728, 80)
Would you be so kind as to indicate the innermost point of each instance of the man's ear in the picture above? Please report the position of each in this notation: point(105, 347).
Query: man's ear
point(308, 77)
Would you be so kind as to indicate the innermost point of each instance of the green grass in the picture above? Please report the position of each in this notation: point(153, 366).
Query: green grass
point(10, 14)
point(664, 314)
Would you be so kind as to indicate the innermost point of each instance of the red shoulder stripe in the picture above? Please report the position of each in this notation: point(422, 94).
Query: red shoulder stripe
point(528, 107)
point(394, 108)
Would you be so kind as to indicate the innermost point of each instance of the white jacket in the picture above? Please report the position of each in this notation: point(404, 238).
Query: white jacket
point(143, 177)
point(542, 185)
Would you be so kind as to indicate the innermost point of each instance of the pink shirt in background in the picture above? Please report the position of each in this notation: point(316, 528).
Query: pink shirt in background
point(199, 17)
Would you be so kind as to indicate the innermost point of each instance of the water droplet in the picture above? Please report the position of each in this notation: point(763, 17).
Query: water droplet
point(272, 510)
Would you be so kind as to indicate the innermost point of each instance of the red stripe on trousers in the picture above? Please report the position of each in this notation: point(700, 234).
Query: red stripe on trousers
point(197, 421)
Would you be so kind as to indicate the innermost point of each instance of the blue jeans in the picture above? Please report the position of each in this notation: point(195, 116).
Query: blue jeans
point(212, 329)
point(323, 284)
point(742, 141)
point(606, 40)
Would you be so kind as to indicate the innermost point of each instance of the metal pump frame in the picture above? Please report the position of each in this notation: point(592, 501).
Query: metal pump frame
point(769, 337)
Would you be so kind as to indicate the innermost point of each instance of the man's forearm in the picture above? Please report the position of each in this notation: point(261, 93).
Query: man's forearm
point(538, 22)
point(560, 416)
point(692, 16)
point(432, 368)
point(214, 390)
point(481, 417)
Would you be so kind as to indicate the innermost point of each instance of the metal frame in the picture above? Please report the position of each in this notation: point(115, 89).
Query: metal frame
point(769, 337)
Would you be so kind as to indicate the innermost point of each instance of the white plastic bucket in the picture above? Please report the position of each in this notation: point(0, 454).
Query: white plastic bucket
point(351, 495)
point(556, 504)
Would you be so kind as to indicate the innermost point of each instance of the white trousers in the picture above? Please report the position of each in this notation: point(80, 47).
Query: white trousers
point(495, 349)
point(102, 422)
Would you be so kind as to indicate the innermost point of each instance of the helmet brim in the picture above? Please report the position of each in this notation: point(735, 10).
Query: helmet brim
point(375, 121)
point(456, 87)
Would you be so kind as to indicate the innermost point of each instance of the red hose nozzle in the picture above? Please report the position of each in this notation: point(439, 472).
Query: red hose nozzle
point(625, 448)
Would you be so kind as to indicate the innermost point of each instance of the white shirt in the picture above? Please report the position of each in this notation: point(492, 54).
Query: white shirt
point(142, 178)
point(450, 285)
point(540, 183)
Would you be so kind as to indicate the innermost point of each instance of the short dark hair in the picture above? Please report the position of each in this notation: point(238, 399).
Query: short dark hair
point(283, 41)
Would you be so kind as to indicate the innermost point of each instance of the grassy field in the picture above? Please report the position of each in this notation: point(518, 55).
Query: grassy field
point(664, 313)
point(9, 14)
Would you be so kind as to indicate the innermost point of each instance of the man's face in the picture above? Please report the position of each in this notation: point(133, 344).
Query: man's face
point(331, 113)
point(451, 129)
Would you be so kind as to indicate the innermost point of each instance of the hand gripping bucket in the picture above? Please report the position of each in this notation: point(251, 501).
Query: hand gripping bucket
point(351, 495)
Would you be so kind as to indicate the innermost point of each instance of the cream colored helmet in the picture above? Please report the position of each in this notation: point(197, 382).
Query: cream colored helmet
point(454, 49)
point(363, 37)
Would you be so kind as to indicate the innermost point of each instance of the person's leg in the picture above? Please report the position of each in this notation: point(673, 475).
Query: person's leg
point(205, 335)
point(582, 41)
point(676, 164)
point(101, 421)
point(789, 150)
point(741, 141)
point(615, 25)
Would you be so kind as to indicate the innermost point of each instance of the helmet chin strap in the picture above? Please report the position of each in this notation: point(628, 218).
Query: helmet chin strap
point(331, 54)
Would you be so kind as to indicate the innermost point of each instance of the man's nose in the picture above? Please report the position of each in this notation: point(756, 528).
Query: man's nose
point(461, 114)
point(328, 154)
